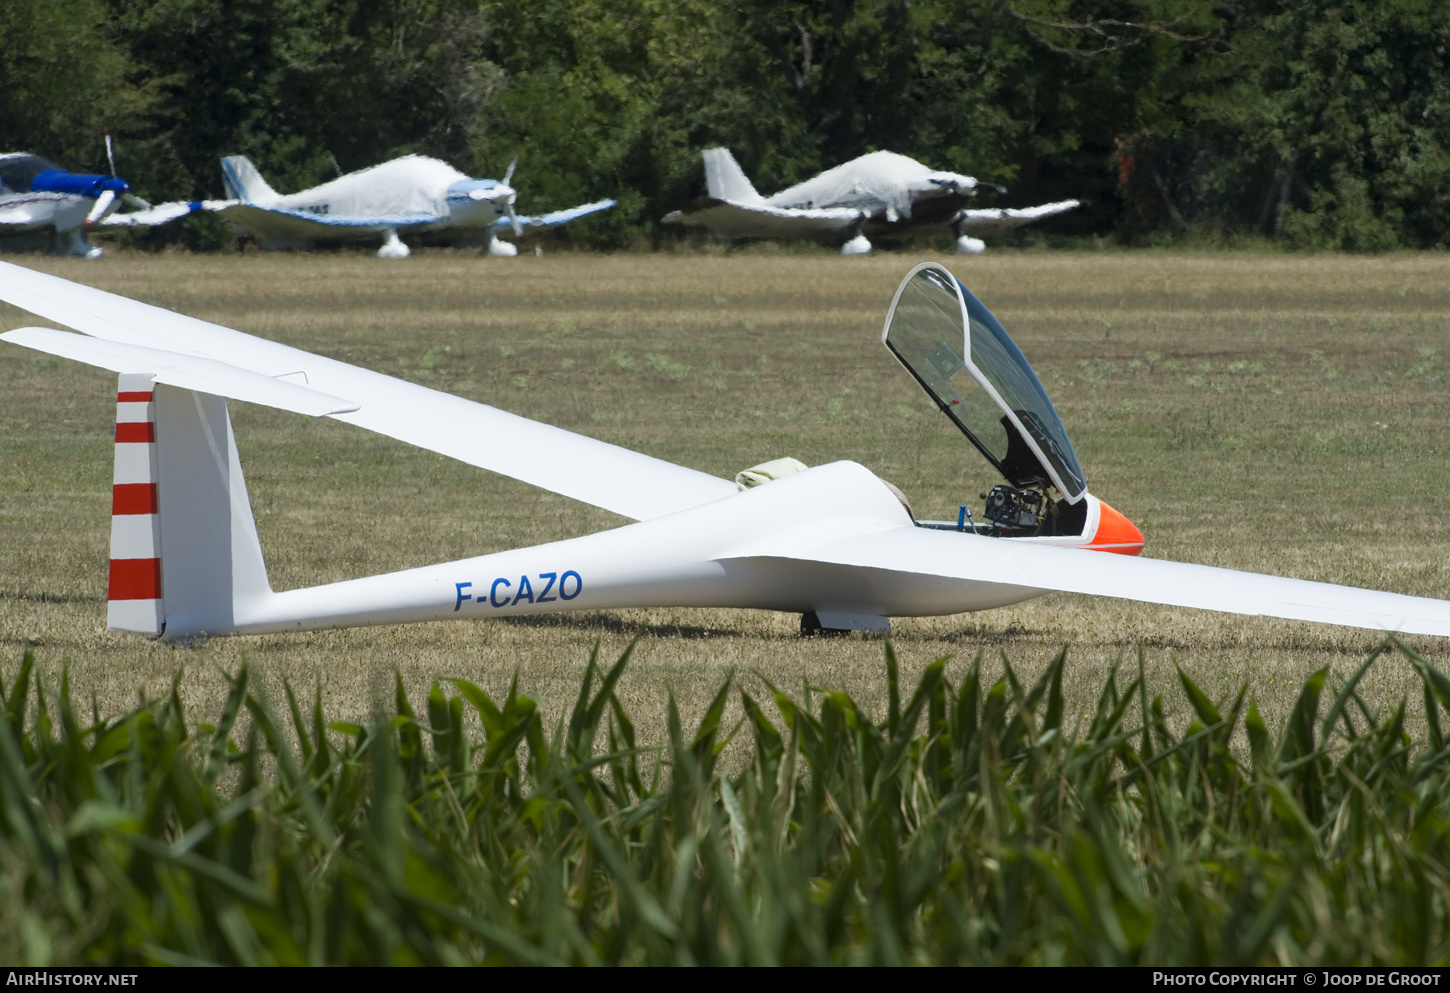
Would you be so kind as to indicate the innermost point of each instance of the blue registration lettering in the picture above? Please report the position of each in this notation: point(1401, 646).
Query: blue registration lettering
point(564, 585)
point(525, 591)
point(544, 595)
point(493, 593)
point(461, 595)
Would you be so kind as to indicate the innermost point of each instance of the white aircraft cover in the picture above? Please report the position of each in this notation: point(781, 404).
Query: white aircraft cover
point(594, 472)
point(1179, 584)
point(884, 177)
point(413, 186)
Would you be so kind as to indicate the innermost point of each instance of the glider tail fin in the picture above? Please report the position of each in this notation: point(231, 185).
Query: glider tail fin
point(185, 558)
point(243, 181)
point(725, 180)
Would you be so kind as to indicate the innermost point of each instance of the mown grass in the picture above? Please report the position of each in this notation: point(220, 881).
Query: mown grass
point(1276, 413)
point(979, 822)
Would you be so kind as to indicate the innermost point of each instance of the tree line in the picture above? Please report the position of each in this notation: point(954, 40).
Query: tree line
point(1317, 123)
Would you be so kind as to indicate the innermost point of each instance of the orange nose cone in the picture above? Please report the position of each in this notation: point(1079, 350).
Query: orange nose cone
point(1116, 533)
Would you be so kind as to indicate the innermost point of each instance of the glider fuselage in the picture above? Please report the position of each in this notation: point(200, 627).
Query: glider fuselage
point(747, 550)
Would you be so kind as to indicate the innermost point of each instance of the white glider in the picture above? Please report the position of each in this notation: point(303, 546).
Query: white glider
point(879, 194)
point(833, 543)
point(410, 195)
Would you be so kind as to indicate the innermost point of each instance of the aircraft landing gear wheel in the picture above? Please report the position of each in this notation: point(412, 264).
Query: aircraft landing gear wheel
point(811, 627)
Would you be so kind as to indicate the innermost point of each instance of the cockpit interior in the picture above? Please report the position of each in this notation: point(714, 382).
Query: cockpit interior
point(977, 376)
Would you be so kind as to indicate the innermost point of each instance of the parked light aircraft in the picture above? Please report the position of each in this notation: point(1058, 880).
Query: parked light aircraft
point(410, 195)
point(834, 543)
point(878, 194)
point(40, 199)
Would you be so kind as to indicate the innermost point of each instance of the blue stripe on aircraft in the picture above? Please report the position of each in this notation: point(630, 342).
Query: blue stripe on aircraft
point(352, 222)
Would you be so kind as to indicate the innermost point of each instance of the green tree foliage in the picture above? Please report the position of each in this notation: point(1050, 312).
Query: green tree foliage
point(1347, 123)
point(299, 84)
point(1325, 123)
point(64, 81)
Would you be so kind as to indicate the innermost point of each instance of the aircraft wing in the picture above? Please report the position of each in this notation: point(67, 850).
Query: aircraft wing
point(755, 220)
point(283, 224)
point(1075, 570)
point(594, 472)
point(557, 217)
point(1005, 219)
point(160, 213)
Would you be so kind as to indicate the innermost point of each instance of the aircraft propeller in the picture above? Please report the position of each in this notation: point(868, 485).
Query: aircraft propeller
point(103, 204)
point(126, 197)
point(508, 178)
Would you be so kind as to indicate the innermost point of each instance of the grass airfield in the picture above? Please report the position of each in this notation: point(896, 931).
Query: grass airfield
point(1267, 412)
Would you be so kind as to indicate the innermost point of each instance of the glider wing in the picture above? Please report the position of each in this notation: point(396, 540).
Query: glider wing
point(186, 371)
point(1179, 584)
point(594, 472)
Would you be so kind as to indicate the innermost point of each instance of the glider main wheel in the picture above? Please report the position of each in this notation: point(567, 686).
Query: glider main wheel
point(811, 627)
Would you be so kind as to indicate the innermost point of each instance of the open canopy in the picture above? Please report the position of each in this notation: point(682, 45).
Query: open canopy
point(977, 375)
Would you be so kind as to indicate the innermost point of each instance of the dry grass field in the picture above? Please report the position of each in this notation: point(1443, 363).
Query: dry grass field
point(1267, 412)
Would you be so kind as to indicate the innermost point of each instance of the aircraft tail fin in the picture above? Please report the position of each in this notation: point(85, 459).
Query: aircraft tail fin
point(185, 558)
point(243, 181)
point(725, 180)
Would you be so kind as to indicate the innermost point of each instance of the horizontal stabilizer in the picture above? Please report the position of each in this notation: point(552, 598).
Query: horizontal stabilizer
point(1177, 584)
point(186, 371)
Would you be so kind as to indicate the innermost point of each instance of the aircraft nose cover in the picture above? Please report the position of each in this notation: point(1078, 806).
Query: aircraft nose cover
point(61, 181)
point(1116, 533)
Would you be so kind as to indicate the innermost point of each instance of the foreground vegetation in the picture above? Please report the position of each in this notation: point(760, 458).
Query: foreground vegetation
point(976, 823)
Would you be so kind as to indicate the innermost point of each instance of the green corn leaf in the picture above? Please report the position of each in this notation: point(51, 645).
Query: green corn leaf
point(1258, 732)
point(1202, 705)
point(298, 724)
point(1341, 699)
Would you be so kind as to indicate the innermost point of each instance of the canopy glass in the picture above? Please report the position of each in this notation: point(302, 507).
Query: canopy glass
point(977, 375)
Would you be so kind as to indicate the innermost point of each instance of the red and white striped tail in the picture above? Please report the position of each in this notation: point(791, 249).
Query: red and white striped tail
point(134, 591)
